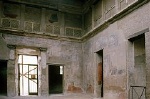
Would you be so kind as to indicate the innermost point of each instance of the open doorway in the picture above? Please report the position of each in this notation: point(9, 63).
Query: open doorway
point(139, 62)
point(3, 77)
point(100, 73)
point(137, 77)
point(28, 75)
point(55, 79)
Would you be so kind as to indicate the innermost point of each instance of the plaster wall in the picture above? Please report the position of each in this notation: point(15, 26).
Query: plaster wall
point(4, 54)
point(68, 54)
point(116, 55)
point(80, 60)
point(40, 20)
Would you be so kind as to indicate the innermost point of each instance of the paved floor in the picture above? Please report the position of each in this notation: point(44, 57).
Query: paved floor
point(69, 96)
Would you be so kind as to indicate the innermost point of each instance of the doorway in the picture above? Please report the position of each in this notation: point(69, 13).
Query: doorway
point(137, 66)
point(55, 79)
point(3, 77)
point(100, 73)
point(28, 75)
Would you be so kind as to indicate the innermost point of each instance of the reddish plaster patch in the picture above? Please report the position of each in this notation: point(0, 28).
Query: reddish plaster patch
point(74, 89)
point(122, 96)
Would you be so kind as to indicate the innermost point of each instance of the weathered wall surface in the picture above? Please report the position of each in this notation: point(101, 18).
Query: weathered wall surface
point(112, 42)
point(116, 60)
point(81, 60)
point(40, 20)
point(66, 53)
point(131, 24)
point(4, 50)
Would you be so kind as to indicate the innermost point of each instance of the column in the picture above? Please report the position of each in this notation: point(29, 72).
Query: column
point(43, 20)
point(11, 85)
point(93, 14)
point(44, 73)
point(103, 11)
point(22, 19)
point(0, 13)
point(83, 25)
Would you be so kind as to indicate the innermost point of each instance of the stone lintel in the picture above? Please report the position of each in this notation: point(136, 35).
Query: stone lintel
point(138, 34)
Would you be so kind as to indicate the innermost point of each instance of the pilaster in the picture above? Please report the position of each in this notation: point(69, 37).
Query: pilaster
point(43, 20)
point(44, 73)
point(62, 23)
point(93, 16)
point(22, 19)
point(83, 24)
point(117, 6)
point(11, 85)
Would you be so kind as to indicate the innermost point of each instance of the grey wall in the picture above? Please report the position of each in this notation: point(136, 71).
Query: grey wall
point(117, 61)
point(65, 53)
point(112, 41)
point(80, 59)
point(40, 20)
point(4, 54)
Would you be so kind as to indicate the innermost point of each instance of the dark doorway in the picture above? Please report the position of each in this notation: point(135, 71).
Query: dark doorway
point(55, 79)
point(3, 77)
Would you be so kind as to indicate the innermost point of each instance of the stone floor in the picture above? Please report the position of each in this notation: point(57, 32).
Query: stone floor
point(69, 96)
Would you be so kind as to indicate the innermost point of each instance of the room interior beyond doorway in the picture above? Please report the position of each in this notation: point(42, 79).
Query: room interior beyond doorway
point(56, 79)
point(28, 75)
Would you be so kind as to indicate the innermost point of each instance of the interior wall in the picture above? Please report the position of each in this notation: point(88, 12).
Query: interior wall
point(98, 11)
point(133, 26)
point(58, 52)
point(41, 20)
point(4, 54)
point(88, 21)
point(113, 41)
